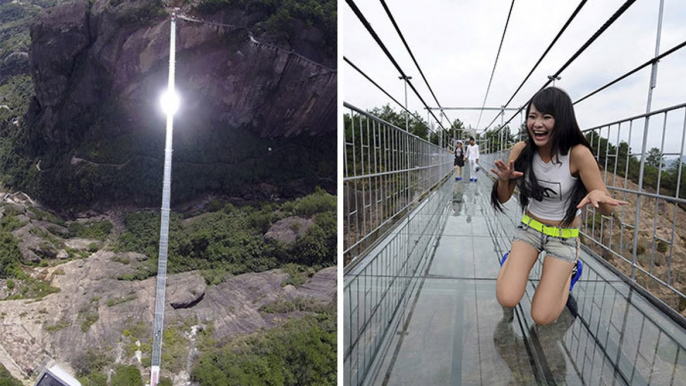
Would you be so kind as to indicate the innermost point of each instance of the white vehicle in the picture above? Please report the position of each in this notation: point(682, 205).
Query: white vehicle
point(55, 376)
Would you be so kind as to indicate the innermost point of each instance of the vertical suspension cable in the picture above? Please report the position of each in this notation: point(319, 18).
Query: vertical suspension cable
point(495, 64)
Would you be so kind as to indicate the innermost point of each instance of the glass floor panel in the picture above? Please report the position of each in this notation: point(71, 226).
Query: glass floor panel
point(455, 333)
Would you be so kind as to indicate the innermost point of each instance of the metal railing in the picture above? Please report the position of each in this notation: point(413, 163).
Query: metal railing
point(645, 239)
point(395, 205)
point(618, 338)
point(387, 171)
point(645, 248)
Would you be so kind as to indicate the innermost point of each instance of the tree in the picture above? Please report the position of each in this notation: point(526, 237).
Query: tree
point(496, 135)
point(416, 125)
point(655, 158)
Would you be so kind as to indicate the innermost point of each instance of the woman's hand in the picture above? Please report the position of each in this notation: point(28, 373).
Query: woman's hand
point(506, 172)
point(596, 197)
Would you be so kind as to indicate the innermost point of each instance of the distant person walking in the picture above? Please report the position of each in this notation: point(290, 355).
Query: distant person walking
point(557, 175)
point(473, 156)
point(459, 160)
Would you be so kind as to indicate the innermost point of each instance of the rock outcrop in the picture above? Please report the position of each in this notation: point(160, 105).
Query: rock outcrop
point(185, 290)
point(287, 230)
point(85, 55)
point(255, 110)
point(94, 310)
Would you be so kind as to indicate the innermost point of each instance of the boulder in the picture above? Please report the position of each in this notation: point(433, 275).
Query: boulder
point(185, 290)
point(287, 230)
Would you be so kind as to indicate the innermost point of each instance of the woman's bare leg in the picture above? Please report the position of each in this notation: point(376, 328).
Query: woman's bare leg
point(553, 290)
point(514, 274)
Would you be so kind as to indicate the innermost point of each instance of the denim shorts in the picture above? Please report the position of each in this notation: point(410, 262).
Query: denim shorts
point(566, 249)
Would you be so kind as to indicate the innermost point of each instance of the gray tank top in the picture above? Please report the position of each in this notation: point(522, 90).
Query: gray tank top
point(557, 182)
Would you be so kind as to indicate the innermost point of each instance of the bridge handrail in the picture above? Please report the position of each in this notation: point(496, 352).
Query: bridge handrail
point(387, 172)
point(650, 261)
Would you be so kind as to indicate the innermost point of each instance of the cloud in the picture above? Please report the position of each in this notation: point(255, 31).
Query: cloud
point(456, 43)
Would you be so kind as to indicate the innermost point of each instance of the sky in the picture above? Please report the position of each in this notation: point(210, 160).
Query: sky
point(456, 43)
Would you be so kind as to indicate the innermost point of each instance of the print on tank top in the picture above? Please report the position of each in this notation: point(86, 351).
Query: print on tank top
point(551, 189)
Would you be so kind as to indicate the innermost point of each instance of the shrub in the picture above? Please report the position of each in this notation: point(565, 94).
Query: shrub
point(301, 352)
point(114, 301)
point(57, 326)
point(230, 241)
point(317, 202)
point(297, 275)
point(127, 376)
point(97, 378)
point(165, 382)
point(10, 255)
point(6, 379)
point(90, 230)
point(89, 320)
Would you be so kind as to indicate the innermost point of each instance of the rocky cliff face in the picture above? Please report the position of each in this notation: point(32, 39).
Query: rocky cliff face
point(83, 55)
point(95, 311)
point(248, 101)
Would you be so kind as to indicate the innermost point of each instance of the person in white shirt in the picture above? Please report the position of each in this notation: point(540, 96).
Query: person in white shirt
point(472, 155)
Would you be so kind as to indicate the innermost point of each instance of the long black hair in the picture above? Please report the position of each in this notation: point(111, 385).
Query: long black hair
point(566, 134)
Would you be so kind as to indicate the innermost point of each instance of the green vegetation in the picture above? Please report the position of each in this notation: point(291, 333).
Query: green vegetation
point(10, 258)
point(6, 379)
point(127, 376)
point(46, 216)
point(32, 288)
point(176, 346)
point(90, 367)
point(416, 124)
point(10, 255)
point(115, 301)
point(301, 352)
point(140, 14)
point(279, 17)
point(312, 204)
point(98, 230)
point(231, 240)
point(203, 164)
point(89, 320)
point(94, 379)
point(297, 304)
point(89, 362)
point(57, 326)
point(629, 166)
point(165, 382)
point(297, 274)
point(17, 93)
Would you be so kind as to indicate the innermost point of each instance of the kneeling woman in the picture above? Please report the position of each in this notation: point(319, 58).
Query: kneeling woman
point(557, 175)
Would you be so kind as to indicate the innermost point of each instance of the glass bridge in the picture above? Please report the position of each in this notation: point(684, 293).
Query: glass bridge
point(423, 251)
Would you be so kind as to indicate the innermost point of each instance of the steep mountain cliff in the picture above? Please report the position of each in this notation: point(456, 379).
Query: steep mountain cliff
point(258, 102)
point(82, 133)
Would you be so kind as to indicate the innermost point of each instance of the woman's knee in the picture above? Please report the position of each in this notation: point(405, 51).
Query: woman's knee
point(543, 315)
point(508, 299)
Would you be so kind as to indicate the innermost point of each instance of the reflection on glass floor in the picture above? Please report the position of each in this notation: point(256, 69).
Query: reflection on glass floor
point(456, 333)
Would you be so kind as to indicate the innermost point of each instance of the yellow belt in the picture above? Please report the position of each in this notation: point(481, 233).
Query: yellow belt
point(565, 233)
